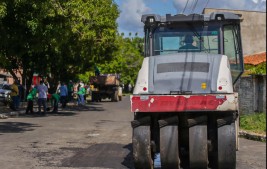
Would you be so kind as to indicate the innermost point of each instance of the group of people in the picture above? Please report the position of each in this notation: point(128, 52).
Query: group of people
point(42, 91)
point(63, 94)
point(66, 92)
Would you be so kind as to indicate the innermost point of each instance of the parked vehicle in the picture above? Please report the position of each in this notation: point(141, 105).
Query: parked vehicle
point(5, 93)
point(105, 86)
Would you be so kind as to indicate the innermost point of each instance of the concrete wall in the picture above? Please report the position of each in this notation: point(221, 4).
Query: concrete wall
point(253, 29)
point(263, 94)
point(252, 93)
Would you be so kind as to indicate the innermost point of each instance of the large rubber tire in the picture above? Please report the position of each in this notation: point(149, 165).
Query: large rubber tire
point(227, 146)
point(237, 133)
point(115, 96)
point(198, 147)
point(169, 151)
point(141, 141)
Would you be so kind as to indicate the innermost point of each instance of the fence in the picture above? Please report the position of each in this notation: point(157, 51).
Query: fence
point(252, 93)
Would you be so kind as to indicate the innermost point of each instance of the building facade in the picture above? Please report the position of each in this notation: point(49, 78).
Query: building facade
point(6, 77)
point(253, 29)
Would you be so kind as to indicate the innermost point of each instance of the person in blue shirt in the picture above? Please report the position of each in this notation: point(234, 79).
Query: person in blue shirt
point(63, 94)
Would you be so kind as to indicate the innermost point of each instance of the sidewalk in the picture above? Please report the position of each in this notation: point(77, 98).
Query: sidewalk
point(6, 112)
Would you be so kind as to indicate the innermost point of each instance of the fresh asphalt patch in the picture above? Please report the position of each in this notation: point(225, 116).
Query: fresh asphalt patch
point(101, 156)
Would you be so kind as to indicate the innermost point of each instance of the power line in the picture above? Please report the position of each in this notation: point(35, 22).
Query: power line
point(207, 4)
point(194, 7)
point(185, 6)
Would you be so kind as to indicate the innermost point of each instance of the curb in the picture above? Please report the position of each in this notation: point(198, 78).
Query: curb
point(9, 115)
point(3, 116)
point(252, 136)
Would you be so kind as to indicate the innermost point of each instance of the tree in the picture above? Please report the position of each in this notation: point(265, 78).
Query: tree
point(126, 60)
point(58, 37)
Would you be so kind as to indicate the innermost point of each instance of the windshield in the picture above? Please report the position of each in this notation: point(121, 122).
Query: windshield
point(186, 38)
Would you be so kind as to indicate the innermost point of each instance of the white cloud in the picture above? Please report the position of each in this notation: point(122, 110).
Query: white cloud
point(180, 5)
point(254, 5)
point(130, 17)
point(261, 5)
point(132, 10)
point(258, 1)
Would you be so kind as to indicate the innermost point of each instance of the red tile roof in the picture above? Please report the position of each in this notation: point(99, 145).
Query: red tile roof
point(255, 59)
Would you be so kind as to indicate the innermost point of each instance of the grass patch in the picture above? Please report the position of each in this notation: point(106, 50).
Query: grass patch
point(255, 122)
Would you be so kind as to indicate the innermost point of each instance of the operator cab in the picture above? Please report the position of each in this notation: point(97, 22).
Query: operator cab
point(211, 34)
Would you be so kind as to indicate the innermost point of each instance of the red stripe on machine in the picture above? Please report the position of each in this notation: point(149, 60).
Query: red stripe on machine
point(175, 103)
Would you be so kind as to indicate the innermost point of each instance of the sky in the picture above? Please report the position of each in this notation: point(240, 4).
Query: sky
point(132, 10)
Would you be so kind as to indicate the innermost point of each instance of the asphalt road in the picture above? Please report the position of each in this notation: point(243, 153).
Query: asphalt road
point(96, 136)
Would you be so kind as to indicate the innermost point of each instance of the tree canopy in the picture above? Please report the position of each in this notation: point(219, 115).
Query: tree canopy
point(66, 39)
point(127, 59)
point(62, 38)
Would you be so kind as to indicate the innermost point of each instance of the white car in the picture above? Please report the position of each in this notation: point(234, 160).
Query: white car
point(5, 93)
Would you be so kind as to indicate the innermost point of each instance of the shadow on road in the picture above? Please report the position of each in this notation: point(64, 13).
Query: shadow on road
point(71, 110)
point(16, 127)
point(128, 160)
point(87, 107)
point(71, 107)
point(49, 113)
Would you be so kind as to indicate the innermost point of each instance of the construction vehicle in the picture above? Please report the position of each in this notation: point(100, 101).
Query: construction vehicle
point(105, 86)
point(185, 108)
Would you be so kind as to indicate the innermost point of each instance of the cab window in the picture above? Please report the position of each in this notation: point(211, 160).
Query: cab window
point(232, 49)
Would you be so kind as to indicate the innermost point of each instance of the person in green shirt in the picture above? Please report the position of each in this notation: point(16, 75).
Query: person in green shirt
point(81, 93)
point(70, 90)
point(54, 101)
point(30, 98)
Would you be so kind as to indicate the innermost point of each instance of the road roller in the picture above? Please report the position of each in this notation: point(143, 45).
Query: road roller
point(184, 103)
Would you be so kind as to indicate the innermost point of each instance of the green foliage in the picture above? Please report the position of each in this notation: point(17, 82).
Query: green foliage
point(2, 9)
point(256, 70)
point(127, 59)
point(85, 76)
point(254, 122)
point(63, 38)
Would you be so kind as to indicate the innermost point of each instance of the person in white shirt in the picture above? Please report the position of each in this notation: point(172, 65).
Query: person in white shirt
point(42, 97)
